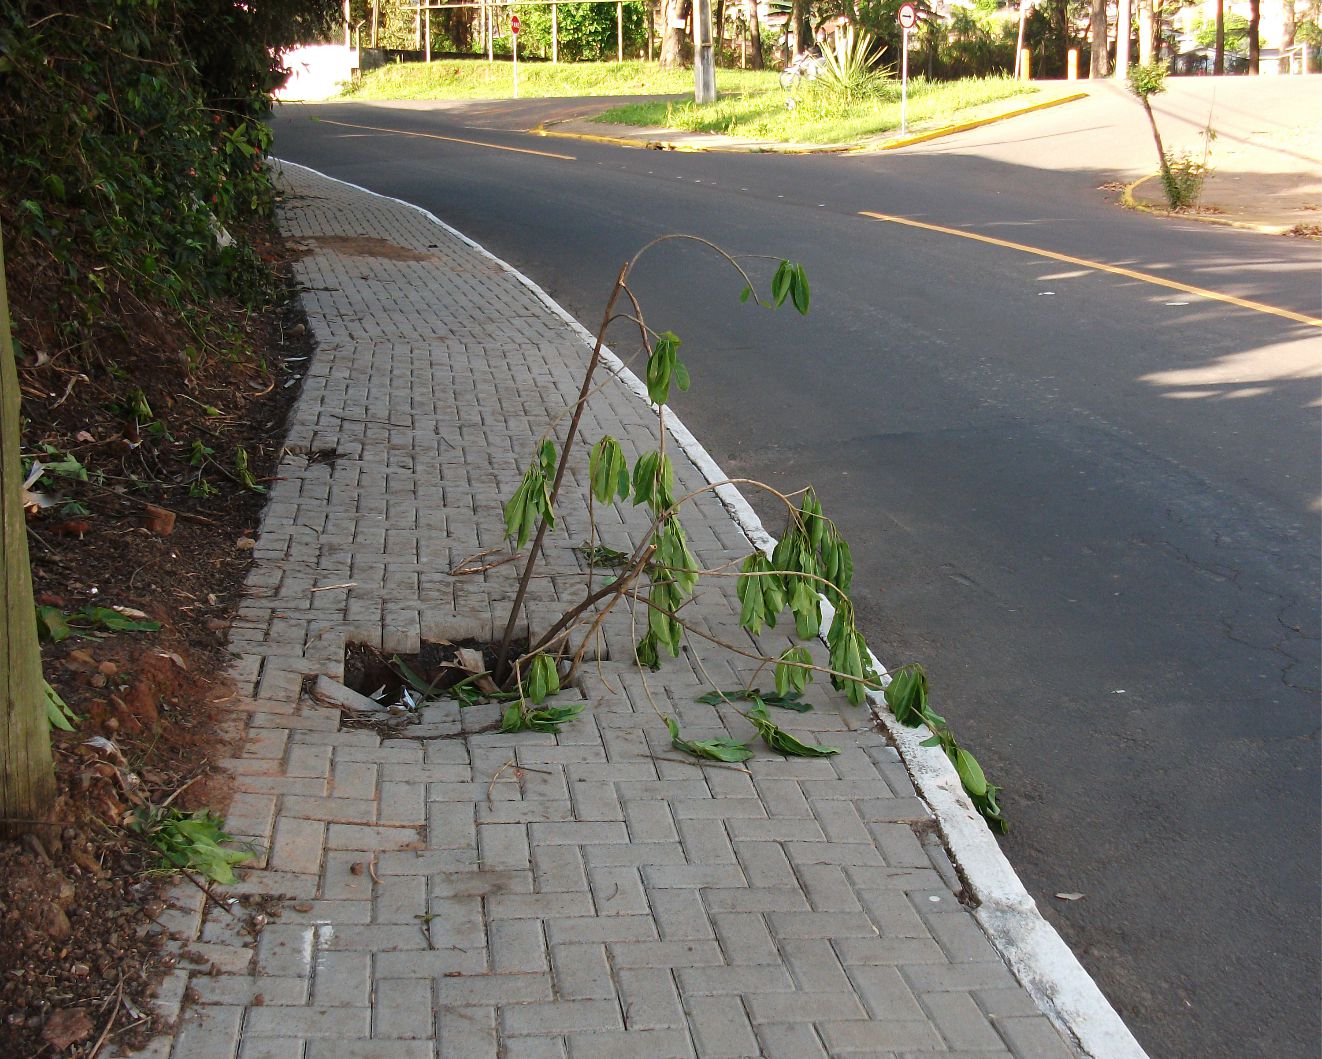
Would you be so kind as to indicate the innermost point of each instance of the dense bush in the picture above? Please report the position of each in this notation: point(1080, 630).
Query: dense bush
point(133, 143)
point(585, 31)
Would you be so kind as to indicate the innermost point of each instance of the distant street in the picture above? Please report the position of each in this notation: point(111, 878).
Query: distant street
point(1088, 503)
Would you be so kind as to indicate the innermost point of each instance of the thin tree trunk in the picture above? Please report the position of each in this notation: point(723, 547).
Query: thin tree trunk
point(1219, 62)
point(755, 33)
point(1255, 43)
point(1288, 24)
point(27, 780)
point(1099, 62)
point(1144, 32)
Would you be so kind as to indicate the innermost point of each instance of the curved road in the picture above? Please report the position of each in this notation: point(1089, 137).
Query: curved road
point(1088, 503)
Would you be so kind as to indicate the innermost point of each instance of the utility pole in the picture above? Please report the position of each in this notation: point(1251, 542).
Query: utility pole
point(27, 778)
point(704, 62)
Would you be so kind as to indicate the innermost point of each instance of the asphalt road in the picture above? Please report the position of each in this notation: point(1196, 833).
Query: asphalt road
point(1088, 504)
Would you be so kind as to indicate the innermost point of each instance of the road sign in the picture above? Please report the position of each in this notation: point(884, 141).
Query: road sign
point(514, 24)
point(908, 16)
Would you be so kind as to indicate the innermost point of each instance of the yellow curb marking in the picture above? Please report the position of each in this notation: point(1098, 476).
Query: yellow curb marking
point(451, 139)
point(1128, 201)
point(1115, 270)
point(950, 130)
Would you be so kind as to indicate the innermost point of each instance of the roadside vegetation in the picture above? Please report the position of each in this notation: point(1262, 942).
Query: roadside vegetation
point(478, 79)
point(148, 351)
point(822, 115)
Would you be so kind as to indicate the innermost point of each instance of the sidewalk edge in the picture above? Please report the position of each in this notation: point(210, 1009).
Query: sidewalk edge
point(1035, 953)
point(1128, 201)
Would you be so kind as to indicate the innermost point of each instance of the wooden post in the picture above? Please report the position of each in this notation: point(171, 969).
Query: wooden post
point(427, 30)
point(555, 33)
point(704, 64)
point(1072, 65)
point(27, 780)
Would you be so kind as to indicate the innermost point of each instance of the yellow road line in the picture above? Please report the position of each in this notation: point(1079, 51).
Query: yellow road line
point(1100, 266)
point(452, 139)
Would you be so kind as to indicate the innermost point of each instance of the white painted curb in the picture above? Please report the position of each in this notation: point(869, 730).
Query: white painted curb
point(1037, 955)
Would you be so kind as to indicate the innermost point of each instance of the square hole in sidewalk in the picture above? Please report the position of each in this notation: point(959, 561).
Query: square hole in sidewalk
point(386, 677)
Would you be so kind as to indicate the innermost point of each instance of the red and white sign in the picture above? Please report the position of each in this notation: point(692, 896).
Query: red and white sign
point(514, 24)
point(908, 16)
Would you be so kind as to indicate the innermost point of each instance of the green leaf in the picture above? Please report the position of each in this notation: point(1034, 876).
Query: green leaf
point(543, 678)
point(58, 713)
point(970, 772)
point(673, 557)
point(799, 290)
point(791, 701)
point(608, 471)
point(906, 695)
point(52, 624)
point(547, 719)
point(790, 674)
point(781, 741)
point(780, 283)
point(745, 294)
point(512, 719)
point(412, 679)
point(646, 653)
point(661, 367)
point(115, 621)
point(728, 750)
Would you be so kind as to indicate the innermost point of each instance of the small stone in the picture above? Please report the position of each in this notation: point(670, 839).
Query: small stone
point(304, 906)
point(357, 868)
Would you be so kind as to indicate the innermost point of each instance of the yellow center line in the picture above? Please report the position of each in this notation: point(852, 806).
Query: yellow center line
point(451, 139)
point(1100, 266)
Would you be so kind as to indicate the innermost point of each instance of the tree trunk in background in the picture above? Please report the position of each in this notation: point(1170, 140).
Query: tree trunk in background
point(1219, 62)
point(1288, 24)
point(1255, 43)
point(755, 32)
point(672, 33)
point(1144, 32)
point(1099, 63)
point(27, 780)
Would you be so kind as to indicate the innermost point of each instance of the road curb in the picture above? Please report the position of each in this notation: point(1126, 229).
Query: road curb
point(1035, 953)
point(950, 130)
point(770, 148)
point(1128, 201)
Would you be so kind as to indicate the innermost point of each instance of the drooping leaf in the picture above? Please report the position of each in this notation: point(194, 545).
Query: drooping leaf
point(728, 750)
point(52, 624)
point(791, 676)
point(646, 653)
point(781, 741)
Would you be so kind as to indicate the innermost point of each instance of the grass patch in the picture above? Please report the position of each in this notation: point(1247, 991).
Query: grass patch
point(761, 113)
point(478, 79)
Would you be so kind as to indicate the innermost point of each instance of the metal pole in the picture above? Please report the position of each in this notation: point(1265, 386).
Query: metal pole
point(904, 86)
point(619, 32)
point(491, 32)
point(555, 33)
point(428, 34)
point(1019, 42)
point(516, 64)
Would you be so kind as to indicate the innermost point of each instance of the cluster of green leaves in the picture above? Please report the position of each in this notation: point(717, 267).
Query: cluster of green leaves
point(539, 683)
point(531, 502)
point(189, 841)
point(733, 751)
point(55, 625)
point(664, 367)
point(810, 560)
point(790, 281)
point(906, 695)
point(584, 31)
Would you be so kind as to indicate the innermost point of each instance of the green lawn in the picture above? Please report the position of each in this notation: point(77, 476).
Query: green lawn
point(478, 79)
point(761, 113)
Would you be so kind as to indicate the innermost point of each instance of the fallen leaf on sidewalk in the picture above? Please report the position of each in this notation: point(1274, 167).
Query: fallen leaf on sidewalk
point(1070, 897)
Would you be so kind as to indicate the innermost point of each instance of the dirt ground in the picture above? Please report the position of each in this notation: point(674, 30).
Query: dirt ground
point(176, 429)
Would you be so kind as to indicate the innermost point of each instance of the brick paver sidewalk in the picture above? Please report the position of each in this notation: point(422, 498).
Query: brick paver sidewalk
point(451, 891)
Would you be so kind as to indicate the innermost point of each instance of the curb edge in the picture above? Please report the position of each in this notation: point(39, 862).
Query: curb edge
point(1128, 201)
point(1034, 951)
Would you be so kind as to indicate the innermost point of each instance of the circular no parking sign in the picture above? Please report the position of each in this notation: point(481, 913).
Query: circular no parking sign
point(908, 16)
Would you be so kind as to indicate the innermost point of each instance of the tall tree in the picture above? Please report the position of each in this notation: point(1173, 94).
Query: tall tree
point(1255, 20)
point(1219, 61)
point(27, 780)
point(1099, 62)
point(672, 32)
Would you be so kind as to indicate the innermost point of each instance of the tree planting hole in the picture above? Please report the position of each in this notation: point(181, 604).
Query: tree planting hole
point(368, 670)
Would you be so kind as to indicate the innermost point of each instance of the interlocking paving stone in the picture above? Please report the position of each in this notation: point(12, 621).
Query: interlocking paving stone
point(460, 892)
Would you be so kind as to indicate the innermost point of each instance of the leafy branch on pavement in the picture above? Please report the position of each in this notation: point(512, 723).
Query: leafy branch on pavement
point(807, 574)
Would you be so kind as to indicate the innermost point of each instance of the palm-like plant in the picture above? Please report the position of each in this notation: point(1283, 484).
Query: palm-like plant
point(851, 62)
